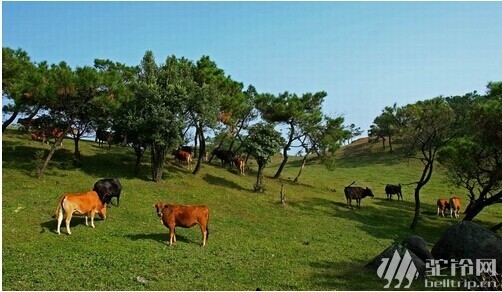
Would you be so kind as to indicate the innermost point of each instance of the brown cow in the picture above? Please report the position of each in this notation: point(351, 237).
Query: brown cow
point(183, 216)
point(183, 156)
point(455, 204)
point(80, 203)
point(240, 162)
point(442, 205)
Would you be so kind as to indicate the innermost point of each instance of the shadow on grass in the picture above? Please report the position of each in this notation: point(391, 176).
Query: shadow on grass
point(219, 181)
point(158, 237)
point(76, 220)
point(343, 275)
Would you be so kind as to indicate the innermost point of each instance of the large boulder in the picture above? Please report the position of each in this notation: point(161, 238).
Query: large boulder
point(389, 253)
point(418, 246)
point(467, 240)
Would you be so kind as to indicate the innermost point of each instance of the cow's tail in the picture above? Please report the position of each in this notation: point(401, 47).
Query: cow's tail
point(351, 184)
point(58, 208)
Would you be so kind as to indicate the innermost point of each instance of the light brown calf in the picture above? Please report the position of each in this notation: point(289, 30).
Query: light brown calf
point(240, 162)
point(80, 203)
point(442, 204)
point(183, 216)
point(455, 204)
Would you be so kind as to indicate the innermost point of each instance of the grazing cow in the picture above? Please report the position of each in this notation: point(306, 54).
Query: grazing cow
point(45, 135)
point(108, 188)
point(442, 205)
point(188, 149)
point(356, 193)
point(183, 216)
point(393, 190)
point(240, 163)
point(225, 156)
point(455, 204)
point(38, 135)
point(104, 136)
point(183, 156)
point(80, 203)
point(55, 133)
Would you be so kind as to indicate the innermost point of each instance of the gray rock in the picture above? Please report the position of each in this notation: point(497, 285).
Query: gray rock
point(467, 240)
point(389, 253)
point(418, 246)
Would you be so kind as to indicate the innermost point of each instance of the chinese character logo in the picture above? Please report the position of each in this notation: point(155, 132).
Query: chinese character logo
point(398, 268)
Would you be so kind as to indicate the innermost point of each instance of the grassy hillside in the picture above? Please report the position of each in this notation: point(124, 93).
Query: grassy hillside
point(314, 242)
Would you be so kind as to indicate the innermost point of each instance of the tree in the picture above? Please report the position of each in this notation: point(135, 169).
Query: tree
point(427, 127)
point(474, 159)
point(21, 83)
point(262, 143)
point(71, 92)
point(385, 125)
point(325, 138)
point(292, 111)
point(159, 93)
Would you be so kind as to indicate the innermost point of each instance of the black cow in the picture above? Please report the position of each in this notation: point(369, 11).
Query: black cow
point(393, 190)
point(356, 193)
point(225, 156)
point(108, 188)
point(104, 136)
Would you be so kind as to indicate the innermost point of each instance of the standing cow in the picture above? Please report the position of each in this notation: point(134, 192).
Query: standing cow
point(183, 216)
point(225, 156)
point(442, 205)
point(455, 205)
point(108, 188)
point(394, 190)
point(356, 193)
point(80, 203)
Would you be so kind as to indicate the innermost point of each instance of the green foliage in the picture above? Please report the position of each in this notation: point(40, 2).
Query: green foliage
point(472, 159)
point(262, 143)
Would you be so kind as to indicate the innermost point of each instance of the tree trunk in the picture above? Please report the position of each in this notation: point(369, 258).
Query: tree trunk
point(259, 179)
point(426, 176)
point(9, 120)
point(139, 153)
point(480, 204)
point(202, 149)
point(40, 172)
point(76, 139)
point(158, 158)
point(285, 153)
point(302, 167)
point(417, 206)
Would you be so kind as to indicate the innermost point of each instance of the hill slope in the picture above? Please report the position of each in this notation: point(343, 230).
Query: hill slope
point(314, 242)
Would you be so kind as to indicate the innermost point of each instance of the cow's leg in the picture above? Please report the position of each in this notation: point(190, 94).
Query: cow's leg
point(118, 198)
point(171, 235)
point(60, 220)
point(86, 220)
point(68, 219)
point(93, 212)
point(203, 229)
point(358, 201)
point(439, 210)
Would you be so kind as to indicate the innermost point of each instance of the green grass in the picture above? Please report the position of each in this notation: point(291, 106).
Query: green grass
point(314, 242)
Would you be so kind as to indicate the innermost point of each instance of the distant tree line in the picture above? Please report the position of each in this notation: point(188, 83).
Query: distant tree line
point(463, 133)
point(157, 106)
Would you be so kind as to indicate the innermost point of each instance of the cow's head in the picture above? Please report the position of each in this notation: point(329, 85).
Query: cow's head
point(102, 211)
point(368, 193)
point(159, 207)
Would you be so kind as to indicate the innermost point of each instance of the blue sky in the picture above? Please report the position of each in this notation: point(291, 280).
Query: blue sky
point(365, 55)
